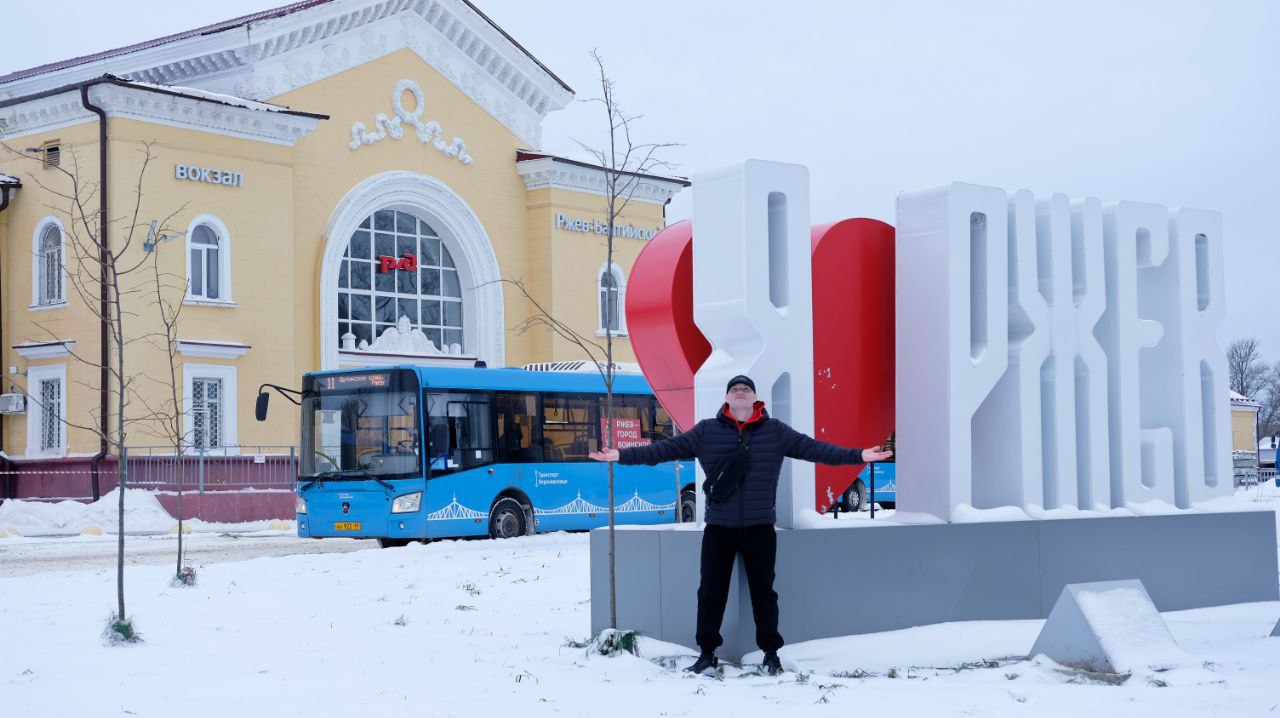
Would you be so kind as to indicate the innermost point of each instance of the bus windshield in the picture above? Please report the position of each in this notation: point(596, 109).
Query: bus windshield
point(361, 426)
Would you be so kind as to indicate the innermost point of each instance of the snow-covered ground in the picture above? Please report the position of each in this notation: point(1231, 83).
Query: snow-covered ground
point(471, 628)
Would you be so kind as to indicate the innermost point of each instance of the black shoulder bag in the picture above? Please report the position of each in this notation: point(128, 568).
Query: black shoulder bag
point(729, 471)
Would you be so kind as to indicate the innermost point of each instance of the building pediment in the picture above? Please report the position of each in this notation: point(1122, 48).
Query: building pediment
point(271, 53)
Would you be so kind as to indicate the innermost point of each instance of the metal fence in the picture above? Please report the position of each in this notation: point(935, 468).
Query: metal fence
point(213, 468)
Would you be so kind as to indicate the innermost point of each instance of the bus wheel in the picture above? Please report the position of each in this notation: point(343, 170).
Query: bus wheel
point(855, 498)
point(392, 542)
point(507, 519)
point(688, 507)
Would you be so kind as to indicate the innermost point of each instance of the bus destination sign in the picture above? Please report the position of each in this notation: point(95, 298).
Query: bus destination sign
point(376, 380)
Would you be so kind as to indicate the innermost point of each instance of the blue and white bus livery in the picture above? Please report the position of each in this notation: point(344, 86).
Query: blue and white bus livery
point(406, 453)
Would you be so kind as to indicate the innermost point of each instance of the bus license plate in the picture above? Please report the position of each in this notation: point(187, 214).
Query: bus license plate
point(346, 526)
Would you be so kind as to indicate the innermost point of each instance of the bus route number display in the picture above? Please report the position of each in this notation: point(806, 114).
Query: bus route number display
point(379, 380)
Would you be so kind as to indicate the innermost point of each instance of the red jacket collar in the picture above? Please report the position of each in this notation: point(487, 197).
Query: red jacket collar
point(757, 414)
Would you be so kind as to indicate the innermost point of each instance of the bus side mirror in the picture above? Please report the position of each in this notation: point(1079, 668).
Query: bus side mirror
point(260, 408)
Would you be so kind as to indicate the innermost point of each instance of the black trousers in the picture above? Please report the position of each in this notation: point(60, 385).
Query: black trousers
point(758, 546)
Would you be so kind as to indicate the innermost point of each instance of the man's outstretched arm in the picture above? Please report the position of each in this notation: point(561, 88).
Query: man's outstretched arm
point(681, 447)
point(797, 445)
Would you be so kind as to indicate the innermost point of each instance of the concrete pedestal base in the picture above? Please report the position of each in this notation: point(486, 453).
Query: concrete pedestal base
point(864, 577)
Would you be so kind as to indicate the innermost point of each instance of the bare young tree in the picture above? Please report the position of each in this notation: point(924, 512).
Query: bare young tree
point(625, 162)
point(1269, 419)
point(1246, 367)
point(169, 415)
point(99, 266)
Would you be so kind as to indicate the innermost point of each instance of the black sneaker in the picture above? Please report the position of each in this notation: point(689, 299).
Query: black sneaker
point(705, 665)
point(771, 664)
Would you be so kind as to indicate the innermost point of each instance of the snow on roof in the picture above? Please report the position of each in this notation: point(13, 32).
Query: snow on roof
point(526, 155)
point(129, 49)
point(218, 97)
point(9, 181)
point(1238, 398)
point(232, 24)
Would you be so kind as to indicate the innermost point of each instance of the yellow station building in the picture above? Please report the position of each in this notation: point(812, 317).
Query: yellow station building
point(335, 183)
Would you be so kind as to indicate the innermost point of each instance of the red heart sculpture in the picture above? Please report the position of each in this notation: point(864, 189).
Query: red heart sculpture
point(853, 343)
point(853, 340)
point(667, 343)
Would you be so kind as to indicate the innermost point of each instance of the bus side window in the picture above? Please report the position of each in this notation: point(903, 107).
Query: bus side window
point(459, 431)
point(515, 415)
point(570, 426)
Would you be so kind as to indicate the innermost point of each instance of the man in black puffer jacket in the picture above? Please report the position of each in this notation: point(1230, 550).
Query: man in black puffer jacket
point(742, 523)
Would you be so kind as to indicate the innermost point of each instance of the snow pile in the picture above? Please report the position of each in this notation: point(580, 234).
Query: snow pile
point(142, 514)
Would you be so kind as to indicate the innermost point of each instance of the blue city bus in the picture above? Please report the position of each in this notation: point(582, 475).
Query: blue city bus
point(886, 483)
point(417, 453)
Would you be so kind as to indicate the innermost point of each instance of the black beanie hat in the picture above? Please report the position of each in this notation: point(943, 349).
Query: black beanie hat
point(740, 379)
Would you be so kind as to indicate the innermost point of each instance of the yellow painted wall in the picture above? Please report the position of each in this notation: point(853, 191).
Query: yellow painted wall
point(40, 198)
point(566, 265)
point(1244, 426)
point(276, 223)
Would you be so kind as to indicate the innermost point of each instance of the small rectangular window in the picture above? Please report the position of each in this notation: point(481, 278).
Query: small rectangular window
point(206, 412)
point(50, 414)
point(51, 154)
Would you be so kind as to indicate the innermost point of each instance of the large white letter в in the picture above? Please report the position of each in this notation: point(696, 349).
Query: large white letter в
point(753, 299)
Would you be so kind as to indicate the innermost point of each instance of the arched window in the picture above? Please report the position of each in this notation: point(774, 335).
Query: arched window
point(48, 265)
point(207, 263)
point(397, 266)
point(612, 294)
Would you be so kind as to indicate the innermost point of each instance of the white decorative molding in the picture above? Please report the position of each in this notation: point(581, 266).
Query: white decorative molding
point(45, 350)
point(426, 131)
point(557, 173)
point(211, 349)
point(460, 230)
point(204, 114)
point(403, 338)
point(310, 45)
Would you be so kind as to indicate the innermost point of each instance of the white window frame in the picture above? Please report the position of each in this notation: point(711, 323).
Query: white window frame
point(227, 374)
point(35, 411)
point(621, 281)
point(374, 293)
point(224, 261)
point(41, 226)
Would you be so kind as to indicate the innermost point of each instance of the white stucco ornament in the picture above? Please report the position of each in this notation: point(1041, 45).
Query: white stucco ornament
point(403, 338)
point(427, 132)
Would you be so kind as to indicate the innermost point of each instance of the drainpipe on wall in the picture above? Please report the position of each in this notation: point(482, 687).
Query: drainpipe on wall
point(103, 376)
point(8, 483)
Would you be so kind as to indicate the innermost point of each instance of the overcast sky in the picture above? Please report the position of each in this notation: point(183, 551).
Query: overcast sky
point(1162, 101)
